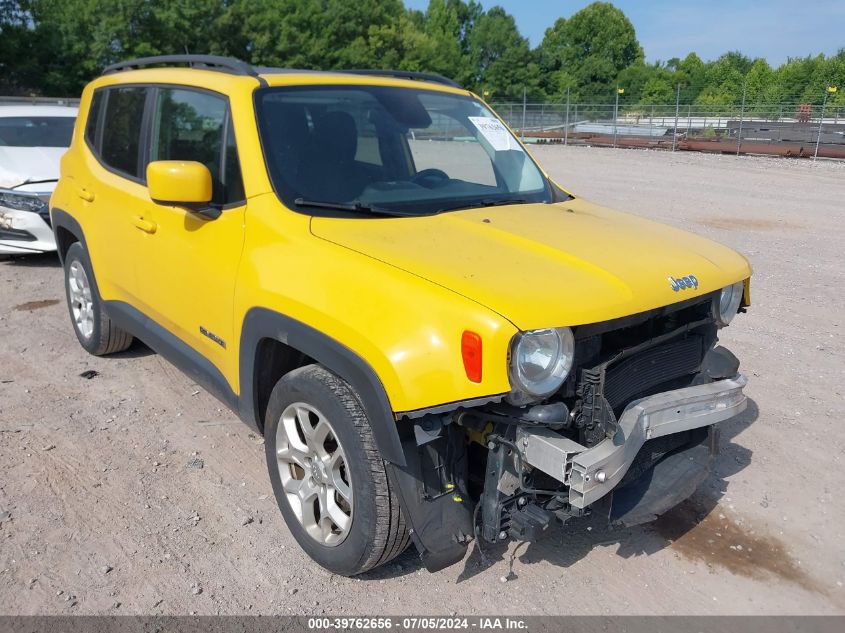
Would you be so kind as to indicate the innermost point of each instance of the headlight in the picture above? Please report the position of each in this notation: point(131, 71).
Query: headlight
point(20, 201)
point(726, 308)
point(541, 360)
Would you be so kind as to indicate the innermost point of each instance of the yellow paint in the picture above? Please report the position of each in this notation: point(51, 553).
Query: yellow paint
point(398, 292)
point(179, 181)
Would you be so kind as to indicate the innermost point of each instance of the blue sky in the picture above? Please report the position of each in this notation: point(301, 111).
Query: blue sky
point(773, 29)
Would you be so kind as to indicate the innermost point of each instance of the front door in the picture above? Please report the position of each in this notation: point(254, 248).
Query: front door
point(187, 276)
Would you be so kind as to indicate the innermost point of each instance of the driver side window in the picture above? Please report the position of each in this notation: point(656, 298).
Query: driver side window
point(196, 126)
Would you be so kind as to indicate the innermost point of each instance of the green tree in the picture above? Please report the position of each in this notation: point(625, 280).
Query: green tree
point(501, 57)
point(19, 51)
point(724, 80)
point(634, 79)
point(690, 73)
point(657, 90)
point(595, 45)
point(823, 73)
point(761, 91)
point(445, 25)
point(78, 37)
point(54, 47)
point(554, 80)
point(274, 32)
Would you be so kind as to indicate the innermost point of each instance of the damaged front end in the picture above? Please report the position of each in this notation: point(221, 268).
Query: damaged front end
point(634, 424)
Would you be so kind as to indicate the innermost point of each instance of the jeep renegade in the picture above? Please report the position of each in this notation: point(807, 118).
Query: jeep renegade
point(437, 341)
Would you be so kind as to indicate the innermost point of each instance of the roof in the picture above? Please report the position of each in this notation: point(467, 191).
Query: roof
point(37, 110)
point(229, 70)
point(290, 77)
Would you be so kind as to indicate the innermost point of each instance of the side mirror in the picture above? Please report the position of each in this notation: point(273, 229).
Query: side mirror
point(182, 183)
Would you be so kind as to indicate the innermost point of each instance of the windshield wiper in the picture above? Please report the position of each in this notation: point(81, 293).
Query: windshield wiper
point(357, 207)
point(483, 203)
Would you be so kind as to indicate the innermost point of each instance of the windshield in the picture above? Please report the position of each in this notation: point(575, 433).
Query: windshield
point(36, 131)
point(386, 149)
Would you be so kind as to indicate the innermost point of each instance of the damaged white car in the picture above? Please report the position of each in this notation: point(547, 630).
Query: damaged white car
point(32, 140)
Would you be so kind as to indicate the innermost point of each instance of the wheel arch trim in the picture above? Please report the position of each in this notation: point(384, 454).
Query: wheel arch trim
point(261, 323)
point(61, 219)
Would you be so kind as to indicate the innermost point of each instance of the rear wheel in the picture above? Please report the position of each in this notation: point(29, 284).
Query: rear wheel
point(327, 475)
point(93, 327)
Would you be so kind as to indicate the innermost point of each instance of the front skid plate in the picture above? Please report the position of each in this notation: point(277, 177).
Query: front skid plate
point(592, 473)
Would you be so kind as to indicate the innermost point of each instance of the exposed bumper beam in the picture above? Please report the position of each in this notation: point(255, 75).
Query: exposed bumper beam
point(594, 472)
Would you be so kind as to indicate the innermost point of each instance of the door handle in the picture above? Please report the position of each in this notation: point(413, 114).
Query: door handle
point(146, 226)
point(86, 195)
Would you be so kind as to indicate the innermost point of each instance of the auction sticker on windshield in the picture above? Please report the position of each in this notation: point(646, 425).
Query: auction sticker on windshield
point(495, 133)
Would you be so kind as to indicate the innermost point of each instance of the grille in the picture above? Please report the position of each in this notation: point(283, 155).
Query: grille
point(652, 367)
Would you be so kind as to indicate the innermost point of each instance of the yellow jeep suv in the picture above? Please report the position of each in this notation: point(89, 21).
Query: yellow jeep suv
point(438, 342)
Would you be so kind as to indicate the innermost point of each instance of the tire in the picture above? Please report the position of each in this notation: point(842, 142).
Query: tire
point(376, 530)
point(93, 327)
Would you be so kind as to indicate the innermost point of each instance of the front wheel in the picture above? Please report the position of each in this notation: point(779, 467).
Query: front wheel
point(327, 475)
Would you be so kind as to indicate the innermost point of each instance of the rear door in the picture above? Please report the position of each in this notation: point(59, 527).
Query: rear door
point(188, 269)
point(112, 191)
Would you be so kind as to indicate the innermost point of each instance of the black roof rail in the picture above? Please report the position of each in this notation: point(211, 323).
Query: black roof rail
point(404, 74)
point(206, 62)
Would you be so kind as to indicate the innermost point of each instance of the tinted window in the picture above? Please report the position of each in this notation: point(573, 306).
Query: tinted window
point(93, 117)
point(36, 131)
point(122, 128)
point(192, 125)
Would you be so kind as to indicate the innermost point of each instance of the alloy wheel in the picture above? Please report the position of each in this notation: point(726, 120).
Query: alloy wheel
point(314, 473)
point(81, 304)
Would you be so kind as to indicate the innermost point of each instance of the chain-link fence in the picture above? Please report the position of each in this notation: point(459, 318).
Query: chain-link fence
point(784, 129)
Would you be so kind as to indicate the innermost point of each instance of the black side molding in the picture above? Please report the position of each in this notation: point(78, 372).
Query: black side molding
point(187, 359)
point(261, 323)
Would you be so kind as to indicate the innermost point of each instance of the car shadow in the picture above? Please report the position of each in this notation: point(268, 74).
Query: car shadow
point(567, 544)
point(36, 260)
point(138, 349)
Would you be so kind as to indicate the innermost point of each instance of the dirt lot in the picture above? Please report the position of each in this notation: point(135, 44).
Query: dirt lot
point(135, 492)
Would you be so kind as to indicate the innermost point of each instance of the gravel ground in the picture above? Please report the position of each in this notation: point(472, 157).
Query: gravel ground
point(134, 492)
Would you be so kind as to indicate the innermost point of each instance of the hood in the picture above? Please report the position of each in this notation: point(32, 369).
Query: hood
point(18, 164)
point(544, 265)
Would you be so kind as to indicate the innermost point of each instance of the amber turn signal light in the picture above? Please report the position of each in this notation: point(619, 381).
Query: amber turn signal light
point(471, 353)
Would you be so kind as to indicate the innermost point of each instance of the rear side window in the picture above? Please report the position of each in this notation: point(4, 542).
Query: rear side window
point(195, 125)
point(122, 124)
point(93, 118)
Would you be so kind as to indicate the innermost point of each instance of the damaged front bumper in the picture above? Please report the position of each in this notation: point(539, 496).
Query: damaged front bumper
point(662, 448)
point(25, 223)
point(591, 473)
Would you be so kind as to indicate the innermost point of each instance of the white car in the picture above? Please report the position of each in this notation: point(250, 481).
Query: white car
point(32, 140)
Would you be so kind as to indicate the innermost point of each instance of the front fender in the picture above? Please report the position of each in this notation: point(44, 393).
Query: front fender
point(261, 323)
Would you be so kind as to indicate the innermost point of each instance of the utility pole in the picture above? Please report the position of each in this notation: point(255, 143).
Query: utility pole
point(677, 109)
point(524, 97)
point(566, 125)
point(830, 90)
point(741, 116)
point(619, 91)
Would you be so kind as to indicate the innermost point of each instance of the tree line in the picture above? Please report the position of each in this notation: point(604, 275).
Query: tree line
point(54, 47)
